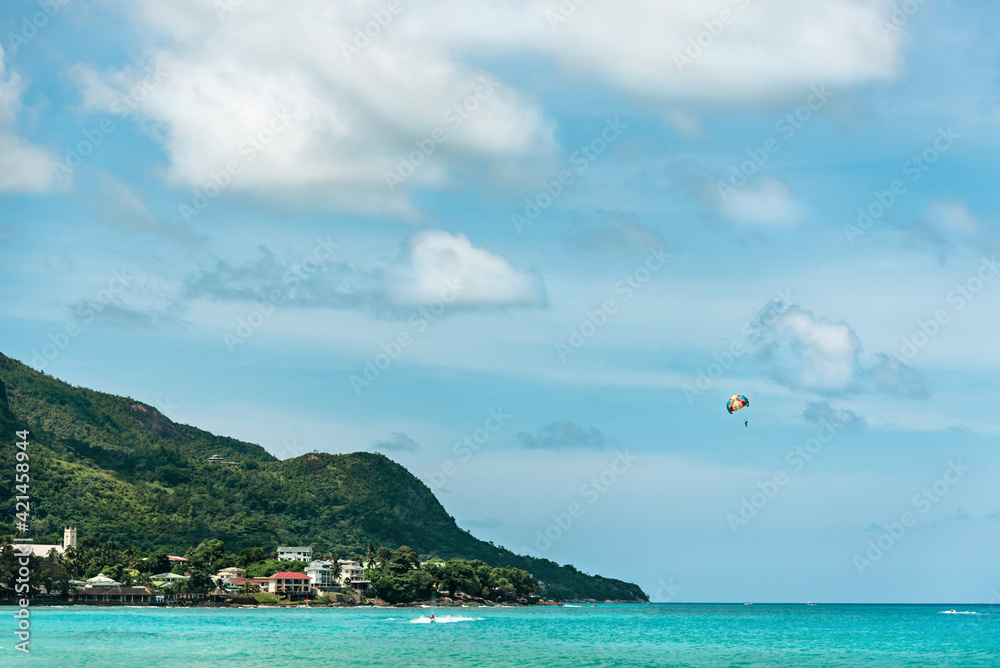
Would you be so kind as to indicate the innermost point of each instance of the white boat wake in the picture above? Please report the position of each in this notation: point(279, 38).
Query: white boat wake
point(444, 619)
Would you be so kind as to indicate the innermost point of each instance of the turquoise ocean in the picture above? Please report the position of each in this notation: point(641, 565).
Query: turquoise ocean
point(607, 635)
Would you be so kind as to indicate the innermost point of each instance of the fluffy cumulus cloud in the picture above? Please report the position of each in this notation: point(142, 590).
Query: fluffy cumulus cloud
point(351, 106)
point(23, 166)
point(563, 435)
point(673, 52)
point(811, 353)
point(437, 265)
point(290, 101)
point(432, 266)
point(681, 57)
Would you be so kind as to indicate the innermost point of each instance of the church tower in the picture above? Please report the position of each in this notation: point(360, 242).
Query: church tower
point(69, 537)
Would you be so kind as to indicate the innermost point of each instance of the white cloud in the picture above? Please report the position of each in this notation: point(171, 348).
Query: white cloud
point(432, 267)
point(433, 260)
point(767, 202)
point(768, 51)
point(357, 115)
point(947, 228)
point(349, 121)
point(952, 217)
point(23, 166)
point(811, 353)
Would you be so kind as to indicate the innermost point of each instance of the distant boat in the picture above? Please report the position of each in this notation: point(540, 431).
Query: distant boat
point(748, 604)
point(809, 603)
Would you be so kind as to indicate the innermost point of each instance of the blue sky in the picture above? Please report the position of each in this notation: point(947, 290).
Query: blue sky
point(529, 250)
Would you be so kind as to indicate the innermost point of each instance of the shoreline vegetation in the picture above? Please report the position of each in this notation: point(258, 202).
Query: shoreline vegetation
point(96, 576)
point(127, 476)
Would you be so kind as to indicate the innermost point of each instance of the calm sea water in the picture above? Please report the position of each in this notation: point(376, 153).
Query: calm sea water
point(608, 635)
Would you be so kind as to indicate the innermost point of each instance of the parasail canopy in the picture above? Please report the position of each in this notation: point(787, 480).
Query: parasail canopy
point(736, 402)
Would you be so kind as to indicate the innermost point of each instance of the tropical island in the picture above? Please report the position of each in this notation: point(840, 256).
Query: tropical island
point(141, 491)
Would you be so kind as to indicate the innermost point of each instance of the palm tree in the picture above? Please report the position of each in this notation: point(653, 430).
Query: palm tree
point(371, 556)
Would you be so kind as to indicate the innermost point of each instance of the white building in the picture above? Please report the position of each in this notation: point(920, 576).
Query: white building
point(321, 573)
point(40, 550)
point(295, 554)
point(352, 574)
point(231, 572)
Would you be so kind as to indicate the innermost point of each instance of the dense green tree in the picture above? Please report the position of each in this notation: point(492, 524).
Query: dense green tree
point(403, 560)
point(460, 576)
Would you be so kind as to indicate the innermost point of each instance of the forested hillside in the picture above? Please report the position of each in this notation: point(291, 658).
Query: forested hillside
point(119, 470)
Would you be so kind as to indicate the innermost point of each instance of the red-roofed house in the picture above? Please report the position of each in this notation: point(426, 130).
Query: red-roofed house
point(177, 559)
point(259, 584)
point(289, 582)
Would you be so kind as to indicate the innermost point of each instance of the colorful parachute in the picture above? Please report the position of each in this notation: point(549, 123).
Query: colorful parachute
point(736, 402)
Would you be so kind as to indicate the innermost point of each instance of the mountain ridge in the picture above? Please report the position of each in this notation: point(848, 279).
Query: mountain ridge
point(120, 470)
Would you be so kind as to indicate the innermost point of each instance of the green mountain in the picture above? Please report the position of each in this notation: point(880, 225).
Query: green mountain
point(119, 470)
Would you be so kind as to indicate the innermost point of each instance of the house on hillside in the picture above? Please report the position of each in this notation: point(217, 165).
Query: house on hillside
point(321, 574)
point(165, 579)
point(295, 554)
point(227, 585)
point(101, 580)
point(256, 584)
point(352, 574)
point(232, 572)
point(289, 583)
